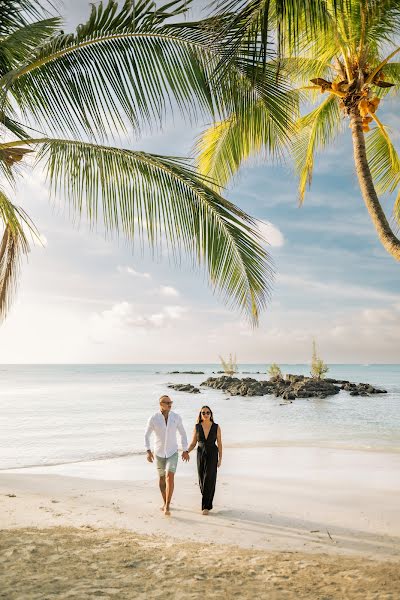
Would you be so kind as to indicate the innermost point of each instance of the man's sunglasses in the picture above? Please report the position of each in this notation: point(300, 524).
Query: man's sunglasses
point(165, 402)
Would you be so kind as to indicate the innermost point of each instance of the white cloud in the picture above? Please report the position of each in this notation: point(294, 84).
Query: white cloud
point(175, 312)
point(123, 315)
point(335, 288)
point(132, 272)
point(271, 234)
point(169, 291)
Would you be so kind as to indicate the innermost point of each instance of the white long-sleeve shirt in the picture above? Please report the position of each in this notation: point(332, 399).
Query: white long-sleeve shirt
point(166, 443)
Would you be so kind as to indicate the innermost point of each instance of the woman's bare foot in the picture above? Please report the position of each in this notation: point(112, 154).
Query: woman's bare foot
point(162, 508)
point(167, 512)
point(205, 512)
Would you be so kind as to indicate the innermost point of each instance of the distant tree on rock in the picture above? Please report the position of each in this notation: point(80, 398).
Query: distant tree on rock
point(318, 367)
point(229, 366)
point(274, 371)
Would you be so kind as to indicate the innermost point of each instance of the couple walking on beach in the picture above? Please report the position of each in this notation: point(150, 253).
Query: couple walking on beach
point(165, 425)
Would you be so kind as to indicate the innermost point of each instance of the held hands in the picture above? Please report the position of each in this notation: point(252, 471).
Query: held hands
point(185, 456)
point(219, 463)
point(150, 456)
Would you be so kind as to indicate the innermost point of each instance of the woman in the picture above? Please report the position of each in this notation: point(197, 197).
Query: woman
point(209, 456)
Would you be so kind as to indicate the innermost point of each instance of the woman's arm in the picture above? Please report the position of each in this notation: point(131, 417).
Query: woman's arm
point(193, 443)
point(219, 444)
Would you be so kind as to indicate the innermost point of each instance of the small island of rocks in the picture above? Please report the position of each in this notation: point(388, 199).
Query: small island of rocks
point(185, 373)
point(290, 387)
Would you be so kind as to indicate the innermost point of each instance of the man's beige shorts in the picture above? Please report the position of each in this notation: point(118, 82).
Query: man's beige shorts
point(167, 464)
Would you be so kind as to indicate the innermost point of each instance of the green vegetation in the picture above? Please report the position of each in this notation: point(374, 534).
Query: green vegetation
point(340, 56)
point(229, 366)
point(122, 71)
point(274, 371)
point(318, 367)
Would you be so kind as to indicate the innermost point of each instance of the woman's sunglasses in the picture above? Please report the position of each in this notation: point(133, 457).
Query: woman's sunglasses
point(205, 412)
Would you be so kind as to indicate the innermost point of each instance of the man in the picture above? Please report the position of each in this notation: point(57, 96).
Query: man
point(165, 424)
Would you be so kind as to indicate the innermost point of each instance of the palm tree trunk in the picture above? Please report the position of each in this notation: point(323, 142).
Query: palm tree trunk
point(389, 241)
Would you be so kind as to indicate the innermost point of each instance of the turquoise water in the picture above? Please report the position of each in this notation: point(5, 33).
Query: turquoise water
point(59, 414)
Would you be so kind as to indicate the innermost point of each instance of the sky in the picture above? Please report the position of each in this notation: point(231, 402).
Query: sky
point(85, 299)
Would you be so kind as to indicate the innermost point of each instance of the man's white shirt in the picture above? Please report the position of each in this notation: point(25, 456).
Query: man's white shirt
point(165, 434)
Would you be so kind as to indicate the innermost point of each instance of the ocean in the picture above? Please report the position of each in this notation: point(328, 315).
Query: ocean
point(65, 414)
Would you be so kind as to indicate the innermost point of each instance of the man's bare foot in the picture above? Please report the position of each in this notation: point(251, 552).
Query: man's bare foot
point(162, 508)
point(167, 512)
point(205, 512)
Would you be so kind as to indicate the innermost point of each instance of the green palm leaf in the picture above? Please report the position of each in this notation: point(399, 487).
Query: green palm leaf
point(123, 63)
point(222, 148)
point(384, 163)
point(147, 196)
point(130, 64)
point(19, 45)
point(17, 13)
point(13, 245)
point(315, 131)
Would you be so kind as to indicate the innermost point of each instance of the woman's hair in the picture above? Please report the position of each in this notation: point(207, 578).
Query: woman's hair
point(200, 417)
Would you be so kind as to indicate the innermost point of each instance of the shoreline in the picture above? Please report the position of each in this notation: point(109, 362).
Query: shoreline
point(326, 526)
point(283, 500)
point(261, 445)
point(43, 502)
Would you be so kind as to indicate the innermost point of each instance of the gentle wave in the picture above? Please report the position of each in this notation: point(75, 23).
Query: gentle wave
point(50, 463)
point(60, 415)
point(234, 446)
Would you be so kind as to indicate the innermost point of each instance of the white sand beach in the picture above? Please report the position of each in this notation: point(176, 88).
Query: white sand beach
point(292, 533)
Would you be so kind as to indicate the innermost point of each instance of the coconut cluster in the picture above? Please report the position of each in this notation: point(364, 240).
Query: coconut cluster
point(354, 94)
point(367, 107)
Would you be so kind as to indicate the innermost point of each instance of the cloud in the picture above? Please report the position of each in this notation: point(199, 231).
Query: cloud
point(123, 315)
point(271, 234)
point(132, 272)
point(335, 288)
point(169, 291)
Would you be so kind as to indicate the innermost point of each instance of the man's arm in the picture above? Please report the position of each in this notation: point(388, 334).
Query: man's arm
point(183, 435)
point(147, 436)
point(184, 442)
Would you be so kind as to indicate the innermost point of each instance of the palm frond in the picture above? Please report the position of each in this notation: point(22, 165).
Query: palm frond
point(384, 163)
point(315, 131)
point(18, 13)
point(13, 245)
point(130, 64)
point(19, 45)
point(392, 74)
point(222, 148)
point(146, 196)
point(124, 63)
point(382, 20)
point(258, 23)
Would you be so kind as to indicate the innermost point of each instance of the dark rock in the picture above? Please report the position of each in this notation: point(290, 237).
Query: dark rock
point(290, 388)
point(293, 378)
point(184, 387)
point(186, 372)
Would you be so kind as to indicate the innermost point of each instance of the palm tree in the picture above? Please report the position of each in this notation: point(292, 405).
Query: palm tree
point(345, 49)
point(126, 67)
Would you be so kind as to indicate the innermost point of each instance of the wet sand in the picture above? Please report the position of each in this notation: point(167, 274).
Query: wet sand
point(303, 535)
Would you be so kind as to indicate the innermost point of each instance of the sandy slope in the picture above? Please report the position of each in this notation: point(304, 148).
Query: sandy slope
point(80, 563)
point(297, 536)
